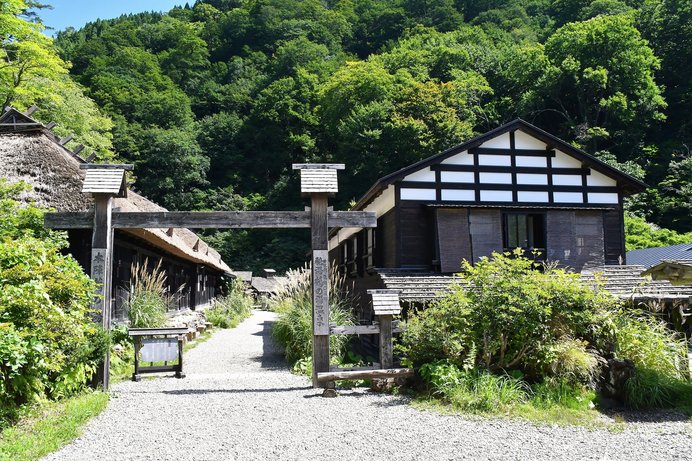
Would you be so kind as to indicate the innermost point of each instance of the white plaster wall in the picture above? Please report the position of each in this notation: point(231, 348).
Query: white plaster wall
point(599, 179)
point(458, 195)
point(496, 196)
point(526, 178)
point(568, 197)
point(562, 160)
point(532, 196)
point(417, 194)
point(457, 176)
point(499, 142)
point(525, 141)
point(523, 160)
point(495, 178)
point(462, 158)
point(424, 175)
point(566, 180)
point(598, 197)
point(495, 160)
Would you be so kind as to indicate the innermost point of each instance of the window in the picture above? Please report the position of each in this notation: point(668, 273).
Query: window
point(525, 231)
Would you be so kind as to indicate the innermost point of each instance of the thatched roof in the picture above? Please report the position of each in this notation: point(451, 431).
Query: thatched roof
point(31, 153)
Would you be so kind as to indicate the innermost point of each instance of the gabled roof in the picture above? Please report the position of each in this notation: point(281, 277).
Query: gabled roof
point(651, 256)
point(629, 184)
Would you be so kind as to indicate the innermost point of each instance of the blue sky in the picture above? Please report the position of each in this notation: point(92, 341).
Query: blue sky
point(76, 13)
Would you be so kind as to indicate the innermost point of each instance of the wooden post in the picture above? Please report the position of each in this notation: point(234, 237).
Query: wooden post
point(386, 341)
point(101, 267)
point(320, 287)
point(385, 305)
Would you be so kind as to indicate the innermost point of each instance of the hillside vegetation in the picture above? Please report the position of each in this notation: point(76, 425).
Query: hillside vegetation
point(214, 101)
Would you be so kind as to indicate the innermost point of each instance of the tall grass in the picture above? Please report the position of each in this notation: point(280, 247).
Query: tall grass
point(228, 311)
point(293, 303)
point(149, 298)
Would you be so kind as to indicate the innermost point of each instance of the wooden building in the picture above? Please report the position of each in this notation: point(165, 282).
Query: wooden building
point(30, 152)
point(515, 186)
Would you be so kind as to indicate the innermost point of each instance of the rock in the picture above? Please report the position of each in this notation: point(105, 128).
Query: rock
point(615, 377)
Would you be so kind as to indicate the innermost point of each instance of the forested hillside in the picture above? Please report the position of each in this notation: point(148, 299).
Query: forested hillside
point(214, 101)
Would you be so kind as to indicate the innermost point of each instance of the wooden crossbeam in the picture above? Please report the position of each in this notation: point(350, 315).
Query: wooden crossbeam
point(211, 220)
point(362, 374)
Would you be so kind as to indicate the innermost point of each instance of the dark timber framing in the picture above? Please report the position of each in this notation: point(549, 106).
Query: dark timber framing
point(319, 219)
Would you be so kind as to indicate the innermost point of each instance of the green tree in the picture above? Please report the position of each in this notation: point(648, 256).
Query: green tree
point(603, 92)
point(641, 234)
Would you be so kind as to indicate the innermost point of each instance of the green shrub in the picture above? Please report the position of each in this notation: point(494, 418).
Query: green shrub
point(293, 329)
point(228, 311)
point(507, 315)
point(148, 300)
point(45, 305)
point(21, 370)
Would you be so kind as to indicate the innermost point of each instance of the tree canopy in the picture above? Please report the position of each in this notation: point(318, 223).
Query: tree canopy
point(214, 101)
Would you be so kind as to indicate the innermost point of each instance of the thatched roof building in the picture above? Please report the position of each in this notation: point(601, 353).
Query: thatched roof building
point(31, 153)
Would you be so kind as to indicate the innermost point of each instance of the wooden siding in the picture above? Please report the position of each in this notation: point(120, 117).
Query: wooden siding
point(417, 238)
point(195, 285)
point(575, 238)
point(613, 236)
point(386, 235)
point(485, 226)
point(454, 241)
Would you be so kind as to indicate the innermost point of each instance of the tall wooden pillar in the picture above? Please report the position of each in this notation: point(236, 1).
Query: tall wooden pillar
point(318, 181)
point(101, 273)
point(104, 182)
point(320, 286)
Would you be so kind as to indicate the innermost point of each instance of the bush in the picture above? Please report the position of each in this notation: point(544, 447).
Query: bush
point(50, 344)
point(228, 311)
point(506, 315)
point(293, 329)
point(21, 370)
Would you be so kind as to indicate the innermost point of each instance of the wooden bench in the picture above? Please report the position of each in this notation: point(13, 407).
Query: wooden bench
point(158, 345)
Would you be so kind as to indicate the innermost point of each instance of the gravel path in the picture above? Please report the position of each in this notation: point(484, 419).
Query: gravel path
point(239, 401)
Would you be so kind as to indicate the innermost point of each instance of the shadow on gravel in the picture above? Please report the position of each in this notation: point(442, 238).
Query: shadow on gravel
point(234, 391)
point(272, 356)
point(387, 400)
point(653, 416)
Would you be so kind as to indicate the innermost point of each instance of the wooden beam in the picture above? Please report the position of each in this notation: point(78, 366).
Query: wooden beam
point(69, 220)
point(101, 166)
point(319, 166)
point(211, 220)
point(381, 374)
point(354, 330)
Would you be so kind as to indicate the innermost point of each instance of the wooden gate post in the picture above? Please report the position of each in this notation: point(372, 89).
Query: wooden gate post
point(320, 286)
point(104, 182)
point(319, 181)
